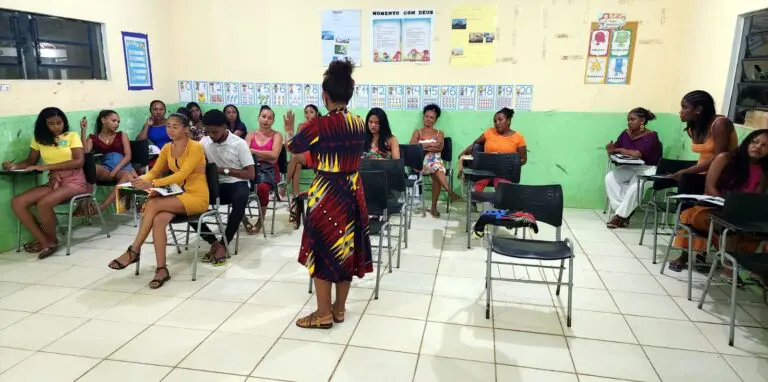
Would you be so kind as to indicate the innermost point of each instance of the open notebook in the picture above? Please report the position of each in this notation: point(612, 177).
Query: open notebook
point(625, 159)
point(125, 191)
point(716, 200)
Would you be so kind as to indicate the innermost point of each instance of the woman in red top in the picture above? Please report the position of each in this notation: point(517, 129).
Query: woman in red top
point(115, 149)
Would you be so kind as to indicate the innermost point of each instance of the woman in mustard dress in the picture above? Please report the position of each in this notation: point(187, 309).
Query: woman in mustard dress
point(185, 160)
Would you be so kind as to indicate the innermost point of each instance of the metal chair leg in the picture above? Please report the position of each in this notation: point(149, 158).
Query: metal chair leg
point(378, 267)
point(645, 222)
point(310, 285)
point(734, 286)
point(570, 291)
point(175, 242)
point(401, 234)
point(389, 246)
point(274, 212)
point(69, 223)
point(559, 276)
point(669, 249)
point(488, 280)
point(708, 282)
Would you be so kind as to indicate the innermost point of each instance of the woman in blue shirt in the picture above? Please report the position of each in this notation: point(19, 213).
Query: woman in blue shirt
point(234, 124)
point(155, 129)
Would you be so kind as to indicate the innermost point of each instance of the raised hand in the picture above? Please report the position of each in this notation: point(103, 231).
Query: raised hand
point(84, 123)
point(289, 121)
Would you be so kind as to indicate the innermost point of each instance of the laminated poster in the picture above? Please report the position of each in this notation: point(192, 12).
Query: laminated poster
point(362, 96)
point(186, 91)
point(340, 36)
point(504, 96)
point(473, 36)
point(378, 96)
point(431, 95)
point(467, 97)
point(395, 97)
point(295, 95)
point(201, 91)
point(263, 94)
point(232, 93)
point(312, 95)
point(485, 97)
point(523, 97)
point(215, 92)
point(401, 35)
point(412, 97)
point(279, 94)
point(448, 97)
point(611, 50)
point(247, 93)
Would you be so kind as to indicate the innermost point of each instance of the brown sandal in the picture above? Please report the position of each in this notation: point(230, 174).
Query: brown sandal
point(133, 256)
point(33, 246)
point(313, 321)
point(250, 228)
point(157, 283)
point(338, 317)
point(48, 251)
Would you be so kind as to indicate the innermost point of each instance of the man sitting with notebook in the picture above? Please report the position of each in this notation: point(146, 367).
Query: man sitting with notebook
point(235, 164)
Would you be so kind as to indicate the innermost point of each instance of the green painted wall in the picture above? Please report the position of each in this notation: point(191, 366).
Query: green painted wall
point(564, 147)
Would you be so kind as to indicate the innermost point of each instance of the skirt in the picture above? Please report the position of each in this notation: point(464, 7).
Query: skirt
point(70, 179)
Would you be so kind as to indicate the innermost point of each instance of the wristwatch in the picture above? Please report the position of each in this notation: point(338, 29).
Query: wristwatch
point(226, 171)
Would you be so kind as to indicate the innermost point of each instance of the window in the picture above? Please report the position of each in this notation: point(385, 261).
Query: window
point(750, 90)
point(40, 47)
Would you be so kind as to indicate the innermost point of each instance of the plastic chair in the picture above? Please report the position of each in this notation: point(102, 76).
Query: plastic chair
point(395, 182)
point(413, 159)
point(89, 168)
point(546, 204)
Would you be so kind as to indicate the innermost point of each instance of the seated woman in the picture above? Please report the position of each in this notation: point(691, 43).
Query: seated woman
point(234, 124)
point(266, 144)
point(116, 150)
point(431, 139)
point(379, 141)
point(185, 160)
point(711, 134)
point(62, 153)
point(637, 141)
point(500, 139)
point(300, 161)
point(196, 130)
point(155, 128)
point(741, 170)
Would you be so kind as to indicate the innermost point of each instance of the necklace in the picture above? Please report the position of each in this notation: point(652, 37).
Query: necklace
point(107, 140)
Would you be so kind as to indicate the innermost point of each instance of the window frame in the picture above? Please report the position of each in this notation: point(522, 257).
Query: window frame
point(736, 69)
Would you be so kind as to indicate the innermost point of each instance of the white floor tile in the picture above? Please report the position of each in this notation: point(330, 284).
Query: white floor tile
point(199, 314)
point(600, 326)
point(401, 304)
point(521, 293)
point(458, 311)
point(182, 287)
point(10, 357)
point(86, 303)
point(748, 341)
point(260, 320)
point(37, 331)
point(669, 333)
point(638, 304)
point(417, 264)
point(610, 359)
point(186, 375)
point(749, 368)
point(404, 282)
point(281, 294)
point(123, 281)
point(539, 351)
point(141, 309)
point(522, 374)
point(714, 312)
point(233, 290)
point(627, 282)
point(231, 353)
point(527, 318)
point(463, 268)
point(10, 317)
point(253, 270)
point(77, 276)
point(618, 264)
point(7, 288)
point(34, 297)
point(116, 371)
point(339, 334)
point(586, 299)
point(681, 365)
point(49, 368)
point(605, 249)
point(454, 341)
point(388, 333)
point(317, 361)
point(160, 345)
point(96, 338)
point(30, 272)
point(363, 364)
point(437, 369)
point(595, 235)
point(582, 278)
point(460, 287)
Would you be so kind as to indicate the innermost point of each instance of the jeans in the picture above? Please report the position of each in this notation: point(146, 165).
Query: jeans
point(235, 194)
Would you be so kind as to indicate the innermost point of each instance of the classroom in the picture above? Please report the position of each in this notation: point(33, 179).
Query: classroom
point(576, 84)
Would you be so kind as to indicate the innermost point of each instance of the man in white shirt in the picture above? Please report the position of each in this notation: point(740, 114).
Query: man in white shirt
point(235, 164)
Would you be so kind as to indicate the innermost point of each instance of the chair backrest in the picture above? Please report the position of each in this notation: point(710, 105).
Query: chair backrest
point(692, 184)
point(669, 166)
point(505, 166)
point(447, 153)
point(140, 152)
point(544, 202)
point(282, 160)
point(413, 156)
point(742, 207)
point(393, 168)
point(376, 191)
point(212, 178)
point(89, 168)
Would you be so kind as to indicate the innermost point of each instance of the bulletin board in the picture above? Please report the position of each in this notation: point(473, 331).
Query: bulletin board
point(610, 54)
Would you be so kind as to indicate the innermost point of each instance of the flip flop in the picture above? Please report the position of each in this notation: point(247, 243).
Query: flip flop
point(48, 252)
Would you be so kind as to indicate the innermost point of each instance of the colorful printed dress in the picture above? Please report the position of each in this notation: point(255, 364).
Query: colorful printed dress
point(335, 245)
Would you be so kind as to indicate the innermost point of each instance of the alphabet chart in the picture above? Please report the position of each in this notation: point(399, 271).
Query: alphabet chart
point(215, 92)
point(412, 97)
point(362, 96)
point(232, 93)
point(312, 94)
point(295, 95)
point(186, 93)
point(395, 97)
point(279, 95)
point(378, 96)
point(431, 95)
point(247, 93)
point(263, 93)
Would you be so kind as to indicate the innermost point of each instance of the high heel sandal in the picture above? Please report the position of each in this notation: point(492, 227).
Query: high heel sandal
point(116, 265)
point(157, 283)
point(313, 321)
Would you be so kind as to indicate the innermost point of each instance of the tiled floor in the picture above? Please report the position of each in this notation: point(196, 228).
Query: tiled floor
point(71, 318)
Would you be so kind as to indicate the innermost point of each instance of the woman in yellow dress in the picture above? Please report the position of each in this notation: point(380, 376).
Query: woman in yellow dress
point(185, 160)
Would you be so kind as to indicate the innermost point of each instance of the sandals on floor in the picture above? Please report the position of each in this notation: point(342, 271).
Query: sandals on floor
point(134, 256)
point(250, 228)
point(338, 317)
point(157, 283)
point(32, 247)
point(313, 321)
point(46, 252)
point(218, 260)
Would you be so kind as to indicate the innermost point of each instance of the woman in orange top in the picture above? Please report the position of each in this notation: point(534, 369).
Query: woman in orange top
point(185, 160)
point(500, 139)
point(711, 134)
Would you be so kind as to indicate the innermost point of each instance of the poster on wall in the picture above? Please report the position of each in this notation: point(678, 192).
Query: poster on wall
point(138, 66)
point(186, 91)
point(523, 97)
point(473, 36)
point(201, 91)
point(263, 93)
point(247, 93)
point(395, 97)
point(361, 97)
point(466, 97)
point(485, 97)
point(295, 95)
point(312, 95)
point(401, 35)
point(232, 93)
point(279, 95)
point(611, 50)
point(215, 92)
point(340, 34)
point(431, 95)
point(504, 96)
point(448, 97)
point(378, 96)
point(412, 97)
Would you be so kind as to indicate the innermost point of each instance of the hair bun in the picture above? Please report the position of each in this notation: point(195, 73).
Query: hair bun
point(341, 68)
point(650, 116)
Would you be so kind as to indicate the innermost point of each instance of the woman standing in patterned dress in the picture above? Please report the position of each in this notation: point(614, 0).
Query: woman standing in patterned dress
point(335, 245)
